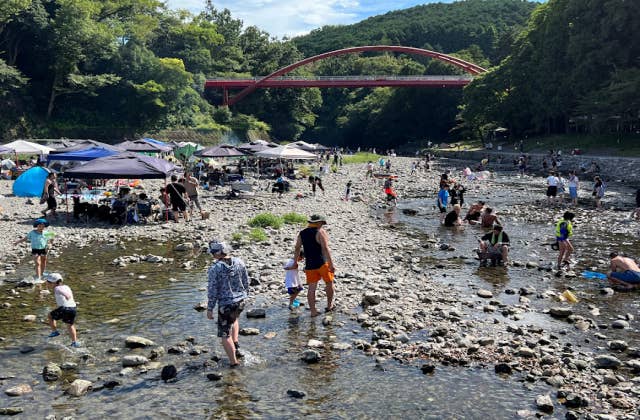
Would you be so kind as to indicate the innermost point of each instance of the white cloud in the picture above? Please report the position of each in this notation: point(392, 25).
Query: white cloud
point(295, 17)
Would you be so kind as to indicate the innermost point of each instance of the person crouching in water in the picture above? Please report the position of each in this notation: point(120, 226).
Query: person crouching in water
point(66, 310)
point(624, 271)
point(564, 230)
point(228, 287)
point(494, 245)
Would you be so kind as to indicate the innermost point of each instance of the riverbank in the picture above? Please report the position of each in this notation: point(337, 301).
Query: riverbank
point(390, 280)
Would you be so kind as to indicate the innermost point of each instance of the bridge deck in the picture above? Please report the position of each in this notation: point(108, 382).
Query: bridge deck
point(341, 81)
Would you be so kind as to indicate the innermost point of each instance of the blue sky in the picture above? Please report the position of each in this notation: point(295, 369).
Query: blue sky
point(296, 17)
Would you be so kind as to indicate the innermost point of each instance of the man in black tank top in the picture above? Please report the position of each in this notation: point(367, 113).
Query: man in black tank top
point(318, 262)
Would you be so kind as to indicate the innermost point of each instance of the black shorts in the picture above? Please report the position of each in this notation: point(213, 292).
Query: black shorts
point(227, 315)
point(180, 206)
point(52, 204)
point(38, 251)
point(442, 209)
point(552, 191)
point(67, 315)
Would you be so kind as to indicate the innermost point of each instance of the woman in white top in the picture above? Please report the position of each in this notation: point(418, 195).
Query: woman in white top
point(552, 187)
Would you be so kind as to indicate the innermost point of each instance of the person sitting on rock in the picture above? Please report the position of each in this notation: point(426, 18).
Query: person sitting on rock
point(494, 246)
point(624, 272)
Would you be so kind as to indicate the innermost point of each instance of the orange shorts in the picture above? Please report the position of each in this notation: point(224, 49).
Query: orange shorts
point(314, 276)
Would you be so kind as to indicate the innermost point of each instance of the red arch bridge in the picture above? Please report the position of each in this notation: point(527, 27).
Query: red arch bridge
point(278, 80)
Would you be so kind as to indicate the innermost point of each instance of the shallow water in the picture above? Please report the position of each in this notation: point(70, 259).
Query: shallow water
point(345, 384)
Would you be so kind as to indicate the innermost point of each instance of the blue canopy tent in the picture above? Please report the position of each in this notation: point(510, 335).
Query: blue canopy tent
point(157, 142)
point(31, 182)
point(82, 155)
point(85, 144)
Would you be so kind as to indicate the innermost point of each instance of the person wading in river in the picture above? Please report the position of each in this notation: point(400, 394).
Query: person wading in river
point(564, 230)
point(624, 271)
point(318, 263)
point(228, 287)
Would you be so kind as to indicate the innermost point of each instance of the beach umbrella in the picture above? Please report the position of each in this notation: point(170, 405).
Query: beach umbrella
point(219, 151)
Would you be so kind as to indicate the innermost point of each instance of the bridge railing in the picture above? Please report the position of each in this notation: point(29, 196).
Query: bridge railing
point(354, 78)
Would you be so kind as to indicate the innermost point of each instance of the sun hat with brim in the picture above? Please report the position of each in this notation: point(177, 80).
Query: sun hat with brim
point(40, 222)
point(217, 248)
point(316, 218)
point(53, 277)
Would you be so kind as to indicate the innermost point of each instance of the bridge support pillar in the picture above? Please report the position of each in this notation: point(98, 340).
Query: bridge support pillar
point(225, 97)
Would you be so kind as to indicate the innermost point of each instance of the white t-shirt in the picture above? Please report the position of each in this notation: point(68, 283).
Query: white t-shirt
point(573, 181)
point(291, 277)
point(552, 181)
point(61, 299)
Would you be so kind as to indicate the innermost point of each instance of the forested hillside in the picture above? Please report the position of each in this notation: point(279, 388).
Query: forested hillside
point(575, 69)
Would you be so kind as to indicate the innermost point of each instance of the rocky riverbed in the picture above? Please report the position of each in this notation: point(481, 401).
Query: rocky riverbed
point(416, 300)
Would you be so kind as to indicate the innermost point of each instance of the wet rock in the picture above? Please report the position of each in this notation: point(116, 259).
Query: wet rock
point(619, 345)
point(623, 403)
point(315, 343)
point(69, 366)
point(79, 387)
point(168, 372)
point(634, 365)
point(134, 360)
point(607, 291)
point(327, 320)
point(620, 324)
point(51, 372)
point(187, 246)
point(560, 311)
point(26, 349)
point(606, 361)
point(483, 293)
point(10, 411)
point(200, 307)
point(428, 368)
point(271, 334)
point(29, 318)
point(18, 390)
point(256, 313)
point(544, 403)
point(527, 290)
point(134, 342)
point(575, 401)
point(295, 393)
point(310, 356)
point(503, 368)
point(371, 299)
point(525, 352)
point(340, 346)
point(249, 331)
point(214, 376)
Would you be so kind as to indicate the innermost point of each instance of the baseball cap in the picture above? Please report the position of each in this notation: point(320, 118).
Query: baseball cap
point(53, 277)
point(216, 247)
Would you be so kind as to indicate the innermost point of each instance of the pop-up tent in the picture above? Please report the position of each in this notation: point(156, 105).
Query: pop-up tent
point(285, 152)
point(23, 147)
point(31, 182)
point(143, 146)
point(124, 165)
point(5, 150)
point(157, 142)
point(85, 144)
point(89, 153)
point(219, 151)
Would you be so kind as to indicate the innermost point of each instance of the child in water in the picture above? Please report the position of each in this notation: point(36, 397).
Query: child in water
point(292, 281)
point(66, 310)
point(39, 240)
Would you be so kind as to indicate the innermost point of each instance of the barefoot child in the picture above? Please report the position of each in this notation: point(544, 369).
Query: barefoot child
point(39, 240)
point(66, 310)
point(292, 281)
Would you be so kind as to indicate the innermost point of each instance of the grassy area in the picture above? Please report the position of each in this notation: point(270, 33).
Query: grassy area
point(294, 218)
point(258, 235)
point(263, 220)
point(362, 157)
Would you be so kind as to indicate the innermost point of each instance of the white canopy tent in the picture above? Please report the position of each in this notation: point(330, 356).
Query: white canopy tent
point(23, 147)
point(285, 152)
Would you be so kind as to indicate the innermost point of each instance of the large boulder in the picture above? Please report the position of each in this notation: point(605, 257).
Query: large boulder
point(79, 387)
point(134, 360)
point(134, 342)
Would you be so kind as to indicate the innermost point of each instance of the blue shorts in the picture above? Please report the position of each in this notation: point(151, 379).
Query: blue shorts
point(573, 192)
point(294, 290)
point(627, 276)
